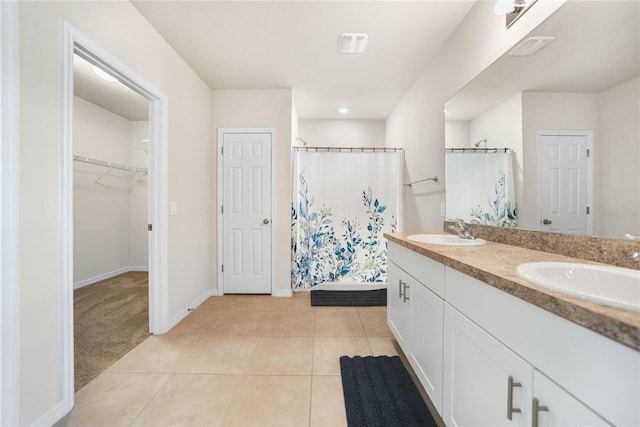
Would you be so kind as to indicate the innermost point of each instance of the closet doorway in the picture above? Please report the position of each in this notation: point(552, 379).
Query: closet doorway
point(110, 219)
point(76, 43)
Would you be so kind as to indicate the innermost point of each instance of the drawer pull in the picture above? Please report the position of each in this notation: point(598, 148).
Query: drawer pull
point(510, 409)
point(537, 408)
point(406, 298)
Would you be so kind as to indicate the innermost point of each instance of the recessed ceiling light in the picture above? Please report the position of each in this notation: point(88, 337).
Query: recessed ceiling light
point(343, 110)
point(352, 42)
point(104, 75)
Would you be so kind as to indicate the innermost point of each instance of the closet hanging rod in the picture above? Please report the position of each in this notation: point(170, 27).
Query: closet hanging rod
point(109, 165)
point(348, 149)
point(480, 150)
point(433, 178)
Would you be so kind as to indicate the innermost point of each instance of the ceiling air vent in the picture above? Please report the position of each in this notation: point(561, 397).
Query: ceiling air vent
point(531, 45)
point(352, 42)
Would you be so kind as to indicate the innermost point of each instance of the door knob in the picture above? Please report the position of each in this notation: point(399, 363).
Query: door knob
point(266, 221)
point(546, 221)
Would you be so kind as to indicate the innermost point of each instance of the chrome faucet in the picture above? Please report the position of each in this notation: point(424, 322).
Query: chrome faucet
point(461, 229)
point(635, 255)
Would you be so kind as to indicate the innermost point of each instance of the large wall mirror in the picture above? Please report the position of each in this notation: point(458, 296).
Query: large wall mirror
point(556, 133)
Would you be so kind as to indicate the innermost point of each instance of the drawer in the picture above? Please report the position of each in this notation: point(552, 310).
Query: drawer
point(426, 271)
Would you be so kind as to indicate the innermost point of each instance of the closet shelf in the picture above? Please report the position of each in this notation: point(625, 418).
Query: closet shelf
point(109, 166)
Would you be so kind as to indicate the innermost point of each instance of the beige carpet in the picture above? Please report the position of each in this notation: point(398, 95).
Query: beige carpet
point(110, 318)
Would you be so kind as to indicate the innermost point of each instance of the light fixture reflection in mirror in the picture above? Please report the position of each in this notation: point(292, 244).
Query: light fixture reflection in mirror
point(512, 9)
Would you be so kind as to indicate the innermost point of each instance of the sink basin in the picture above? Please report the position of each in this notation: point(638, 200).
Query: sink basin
point(607, 285)
point(444, 239)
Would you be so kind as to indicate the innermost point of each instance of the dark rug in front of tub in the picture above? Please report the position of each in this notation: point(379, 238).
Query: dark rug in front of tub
point(378, 392)
point(368, 298)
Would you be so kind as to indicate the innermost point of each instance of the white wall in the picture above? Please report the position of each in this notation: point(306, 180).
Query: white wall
point(617, 161)
point(100, 210)
point(456, 134)
point(342, 133)
point(417, 122)
point(549, 111)
point(120, 29)
point(268, 108)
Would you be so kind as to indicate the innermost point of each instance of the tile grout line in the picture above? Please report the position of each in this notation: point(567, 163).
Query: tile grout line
point(151, 399)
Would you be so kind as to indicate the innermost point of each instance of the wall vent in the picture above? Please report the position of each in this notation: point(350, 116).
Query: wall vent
point(352, 42)
point(531, 45)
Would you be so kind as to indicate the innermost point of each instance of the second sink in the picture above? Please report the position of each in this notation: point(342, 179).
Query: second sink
point(608, 285)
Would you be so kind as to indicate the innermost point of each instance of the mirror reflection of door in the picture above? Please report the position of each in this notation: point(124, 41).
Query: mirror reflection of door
point(110, 198)
point(564, 186)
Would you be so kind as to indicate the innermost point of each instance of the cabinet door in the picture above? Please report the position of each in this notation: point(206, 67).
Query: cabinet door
point(477, 368)
point(427, 323)
point(398, 305)
point(559, 408)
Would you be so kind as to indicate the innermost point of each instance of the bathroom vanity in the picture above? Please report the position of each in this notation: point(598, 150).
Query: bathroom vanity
point(493, 349)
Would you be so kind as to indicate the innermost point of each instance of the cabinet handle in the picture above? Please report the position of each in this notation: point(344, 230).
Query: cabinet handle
point(510, 409)
point(537, 408)
point(406, 298)
point(401, 284)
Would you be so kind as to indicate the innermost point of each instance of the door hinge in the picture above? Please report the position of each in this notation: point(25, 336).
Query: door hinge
point(221, 209)
point(149, 227)
point(222, 151)
point(588, 210)
point(222, 268)
point(588, 152)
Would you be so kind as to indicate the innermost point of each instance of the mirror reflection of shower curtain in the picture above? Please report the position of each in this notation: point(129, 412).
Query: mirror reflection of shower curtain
point(342, 203)
point(481, 188)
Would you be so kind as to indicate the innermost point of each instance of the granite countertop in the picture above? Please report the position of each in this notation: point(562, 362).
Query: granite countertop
point(480, 262)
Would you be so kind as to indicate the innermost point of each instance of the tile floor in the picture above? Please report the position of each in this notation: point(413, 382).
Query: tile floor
point(238, 360)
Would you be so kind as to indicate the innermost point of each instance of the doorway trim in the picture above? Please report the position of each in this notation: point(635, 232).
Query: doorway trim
point(9, 215)
point(220, 199)
point(587, 134)
point(75, 42)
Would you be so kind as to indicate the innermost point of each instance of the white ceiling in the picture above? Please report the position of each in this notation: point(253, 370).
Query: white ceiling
point(292, 44)
point(597, 47)
point(112, 96)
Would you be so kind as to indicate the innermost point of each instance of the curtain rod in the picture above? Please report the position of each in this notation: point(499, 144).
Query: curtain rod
point(348, 149)
point(481, 150)
point(410, 184)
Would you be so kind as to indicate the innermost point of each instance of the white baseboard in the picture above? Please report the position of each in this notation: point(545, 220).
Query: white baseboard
point(282, 292)
point(109, 275)
point(52, 416)
point(174, 320)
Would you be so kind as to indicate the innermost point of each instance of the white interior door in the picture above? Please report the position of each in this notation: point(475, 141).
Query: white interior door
point(564, 187)
point(246, 213)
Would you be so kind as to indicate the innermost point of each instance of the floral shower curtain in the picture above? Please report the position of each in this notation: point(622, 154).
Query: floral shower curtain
point(343, 201)
point(480, 187)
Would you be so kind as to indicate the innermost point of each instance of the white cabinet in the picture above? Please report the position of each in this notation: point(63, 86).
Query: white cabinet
point(476, 370)
point(556, 407)
point(594, 371)
point(487, 384)
point(479, 351)
point(398, 306)
point(415, 315)
point(426, 340)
